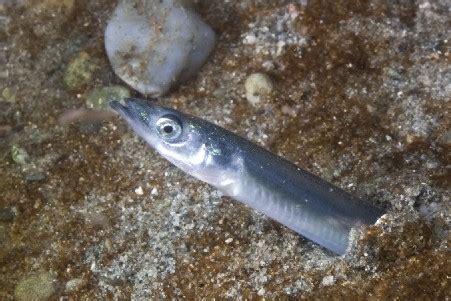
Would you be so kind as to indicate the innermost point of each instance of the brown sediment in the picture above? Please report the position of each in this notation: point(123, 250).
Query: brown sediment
point(344, 126)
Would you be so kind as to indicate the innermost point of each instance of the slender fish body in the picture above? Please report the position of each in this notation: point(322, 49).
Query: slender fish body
point(248, 173)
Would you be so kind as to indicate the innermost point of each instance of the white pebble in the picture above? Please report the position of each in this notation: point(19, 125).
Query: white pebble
point(328, 280)
point(257, 85)
point(139, 190)
point(154, 191)
point(74, 285)
point(153, 45)
point(228, 240)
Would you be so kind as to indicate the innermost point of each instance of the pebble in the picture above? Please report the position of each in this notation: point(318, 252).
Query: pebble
point(97, 220)
point(446, 137)
point(139, 190)
point(35, 287)
point(19, 155)
point(35, 176)
point(154, 191)
point(257, 85)
point(79, 71)
point(75, 284)
point(99, 98)
point(328, 280)
point(8, 95)
point(153, 45)
point(392, 73)
point(219, 93)
point(7, 214)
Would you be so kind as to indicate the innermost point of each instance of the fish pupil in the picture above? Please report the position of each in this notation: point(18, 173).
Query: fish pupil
point(168, 129)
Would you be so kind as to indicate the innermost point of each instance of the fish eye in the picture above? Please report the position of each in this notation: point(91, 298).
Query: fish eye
point(169, 127)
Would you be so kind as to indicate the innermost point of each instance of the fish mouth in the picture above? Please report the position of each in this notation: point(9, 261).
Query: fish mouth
point(136, 113)
point(121, 109)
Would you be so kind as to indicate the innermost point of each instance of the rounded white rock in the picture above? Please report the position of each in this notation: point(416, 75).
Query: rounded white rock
point(154, 44)
point(257, 85)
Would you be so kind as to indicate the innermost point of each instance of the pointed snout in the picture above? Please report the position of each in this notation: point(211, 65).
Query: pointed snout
point(133, 109)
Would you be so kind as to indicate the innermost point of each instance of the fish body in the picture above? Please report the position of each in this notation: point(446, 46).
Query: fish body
point(248, 173)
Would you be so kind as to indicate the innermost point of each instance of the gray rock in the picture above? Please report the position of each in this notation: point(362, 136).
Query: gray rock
point(19, 155)
point(153, 45)
point(74, 285)
point(35, 176)
point(7, 214)
point(446, 137)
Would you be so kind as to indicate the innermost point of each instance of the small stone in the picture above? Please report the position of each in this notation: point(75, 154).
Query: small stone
point(139, 190)
point(20, 155)
point(75, 284)
point(257, 85)
point(35, 287)
point(328, 280)
point(35, 176)
point(392, 73)
point(154, 191)
point(8, 95)
point(7, 214)
point(446, 138)
point(108, 245)
point(97, 220)
point(153, 45)
point(261, 292)
point(37, 204)
point(219, 93)
point(410, 138)
point(79, 71)
point(228, 240)
point(289, 111)
point(99, 98)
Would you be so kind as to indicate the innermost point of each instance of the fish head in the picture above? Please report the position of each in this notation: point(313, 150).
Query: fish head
point(190, 143)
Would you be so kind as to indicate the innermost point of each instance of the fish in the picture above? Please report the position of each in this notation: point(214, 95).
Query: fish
point(245, 171)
